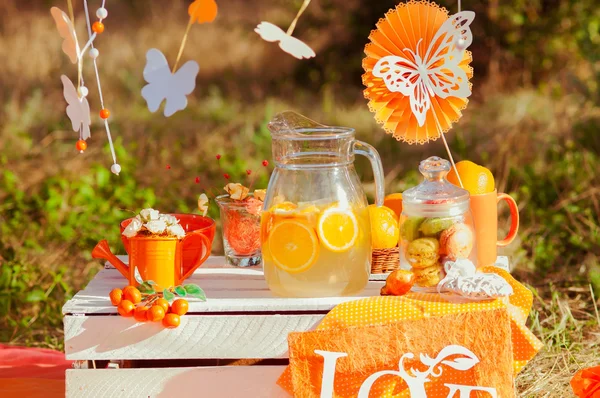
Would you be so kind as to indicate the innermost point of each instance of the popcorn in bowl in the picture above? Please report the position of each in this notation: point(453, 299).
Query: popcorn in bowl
point(151, 223)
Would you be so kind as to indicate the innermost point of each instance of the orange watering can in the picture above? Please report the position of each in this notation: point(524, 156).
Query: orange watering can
point(159, 259)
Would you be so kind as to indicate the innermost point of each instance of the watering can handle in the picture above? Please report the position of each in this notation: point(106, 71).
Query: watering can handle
point(207, 245)
point(364, 149)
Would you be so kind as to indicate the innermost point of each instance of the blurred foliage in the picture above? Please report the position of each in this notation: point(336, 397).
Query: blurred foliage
point(532, 120)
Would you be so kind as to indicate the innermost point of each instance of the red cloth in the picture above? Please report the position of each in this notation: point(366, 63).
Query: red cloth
point(32, 372)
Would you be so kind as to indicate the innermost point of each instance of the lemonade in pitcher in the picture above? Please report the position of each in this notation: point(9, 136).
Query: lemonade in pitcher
point(315, 228)
point(313, 250)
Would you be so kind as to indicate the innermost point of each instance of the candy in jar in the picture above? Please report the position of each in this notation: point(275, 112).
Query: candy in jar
point(435, 226)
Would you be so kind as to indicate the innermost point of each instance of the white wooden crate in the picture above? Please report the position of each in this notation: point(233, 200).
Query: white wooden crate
point(240, 320)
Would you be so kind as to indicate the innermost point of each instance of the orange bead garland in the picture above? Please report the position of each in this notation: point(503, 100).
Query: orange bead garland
point(98, 27)
point(81, 146)
point(104, 113)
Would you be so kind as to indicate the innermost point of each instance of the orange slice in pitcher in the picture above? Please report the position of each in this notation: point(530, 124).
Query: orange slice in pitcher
point(338, 229)
point(293, 245)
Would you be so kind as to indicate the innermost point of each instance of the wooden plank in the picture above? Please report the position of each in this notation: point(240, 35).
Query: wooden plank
point(229, 289)
point(198, 336)
point(213, 382)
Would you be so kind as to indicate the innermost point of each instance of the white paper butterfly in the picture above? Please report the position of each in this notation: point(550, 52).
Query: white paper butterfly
point(437, 73)
point(164, 85)
point(78, 109)
point(67, 32)
point(70, 45)
point(287, 43)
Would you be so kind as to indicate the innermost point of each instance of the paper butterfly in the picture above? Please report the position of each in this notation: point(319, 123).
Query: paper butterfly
point(164, 85)
point(67, 32)
point(287, 43)
point(435, 73)
point(78, 109)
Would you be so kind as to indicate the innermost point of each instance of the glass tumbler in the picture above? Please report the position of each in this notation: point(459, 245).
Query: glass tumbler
point(241, 231)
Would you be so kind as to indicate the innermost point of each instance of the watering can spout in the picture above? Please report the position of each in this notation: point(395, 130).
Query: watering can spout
point(103, 251)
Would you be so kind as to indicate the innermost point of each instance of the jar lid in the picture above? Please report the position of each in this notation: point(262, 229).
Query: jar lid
point(435, 194)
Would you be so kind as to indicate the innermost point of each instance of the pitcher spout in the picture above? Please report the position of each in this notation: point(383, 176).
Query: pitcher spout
point(102, 250)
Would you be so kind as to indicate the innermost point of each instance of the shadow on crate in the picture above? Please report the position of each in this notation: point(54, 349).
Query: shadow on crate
point(124, 333)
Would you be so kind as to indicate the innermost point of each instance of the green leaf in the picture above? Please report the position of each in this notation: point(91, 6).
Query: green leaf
point(35, 296)
point(195, 291)
point(180, 291)
point(146, 288)
point(168, 295)
point(151, 283)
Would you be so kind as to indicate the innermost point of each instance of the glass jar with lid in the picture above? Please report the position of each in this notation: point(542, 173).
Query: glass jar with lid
point(436, 225)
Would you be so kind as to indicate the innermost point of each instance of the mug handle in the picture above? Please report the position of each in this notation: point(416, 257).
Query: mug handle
point(514, 217)
point(207, 245)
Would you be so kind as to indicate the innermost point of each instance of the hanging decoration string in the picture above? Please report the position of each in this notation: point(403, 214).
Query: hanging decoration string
point(71, 13)
point(116, 168)
point(185, 36)
point(293, 24)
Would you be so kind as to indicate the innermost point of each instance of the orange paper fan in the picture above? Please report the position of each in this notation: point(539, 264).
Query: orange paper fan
point(417, 72)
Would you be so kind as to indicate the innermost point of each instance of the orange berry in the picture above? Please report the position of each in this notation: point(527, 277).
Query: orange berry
point(132, 295)
point(104, 113)
point(141, 314)
point(171, 321)
point(180, 307)
point(128, 287)
point(163, 303)
point(98, 27)
point(116, 295)
point(398, 283)
point(156, 313)
point(126, 308)
point(81, 145)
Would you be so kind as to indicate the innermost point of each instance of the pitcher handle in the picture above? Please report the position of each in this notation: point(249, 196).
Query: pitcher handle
point(364, 149)
point(201, 259)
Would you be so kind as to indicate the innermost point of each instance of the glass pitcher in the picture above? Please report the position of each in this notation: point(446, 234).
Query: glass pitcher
point(315, 228)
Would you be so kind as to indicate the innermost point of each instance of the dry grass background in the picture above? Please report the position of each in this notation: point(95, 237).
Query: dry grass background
point(510, 126)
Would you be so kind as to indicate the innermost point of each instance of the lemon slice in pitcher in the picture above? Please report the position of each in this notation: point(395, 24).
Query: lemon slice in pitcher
point(293, 245)
point(338, 229)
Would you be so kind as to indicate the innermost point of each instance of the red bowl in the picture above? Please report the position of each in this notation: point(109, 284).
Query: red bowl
point(192, 224)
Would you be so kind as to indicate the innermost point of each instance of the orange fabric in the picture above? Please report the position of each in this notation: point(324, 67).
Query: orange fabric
point(586, 383)
point(32, 388)
point(372, 349)
point(376, 311)
point(398, 34)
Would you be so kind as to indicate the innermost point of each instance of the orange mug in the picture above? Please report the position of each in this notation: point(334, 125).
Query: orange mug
point(485, 218)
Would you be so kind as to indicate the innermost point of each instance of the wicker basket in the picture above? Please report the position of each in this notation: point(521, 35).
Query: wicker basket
point(385, 260)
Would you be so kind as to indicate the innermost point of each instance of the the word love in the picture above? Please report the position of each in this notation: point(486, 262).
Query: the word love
point(454, 356)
